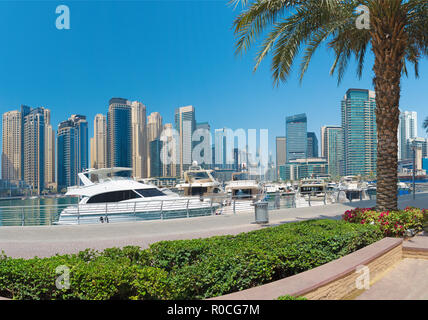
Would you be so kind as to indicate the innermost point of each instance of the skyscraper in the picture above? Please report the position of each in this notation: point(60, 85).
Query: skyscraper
point(359, 132)
point(66, 155)
point(332, 149)
point(72, 146)
point(203, 125)
point(99, 142)
point(312, 145)
point(139, 140)
point(155, 158)
point(154, 130)
point(49, 151)
point(11, 147)
point(154, 126)
point(169, 169)
point(28, 147)
point(34, 148)
point(281, 153)
point(222, 159)
point(82, 141)
point(407, 129)
point(297, 139)
point(119, 133)
point(206, 129)
point(185, 124)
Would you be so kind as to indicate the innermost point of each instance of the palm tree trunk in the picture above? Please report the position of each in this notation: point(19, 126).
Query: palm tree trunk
point(388, 45)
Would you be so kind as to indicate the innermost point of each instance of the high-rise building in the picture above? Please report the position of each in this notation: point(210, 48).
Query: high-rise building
point(119, 133)
point(72, 146)
point(332, 149)
point(207, 129)
point(420, 143)
point(169, 168)
point(82, 141)
point(304, 168)
point(34, 148)
point(28, 151)
point(359, 132)
point(99, 142)
point(297, 138)
point(66, 155)
point(221, 149)
point(407, 129)
point(281, 153)
point(185, 124)
point(203, 125)
point(154, 126)
point(155, 158)
point(312, 145)
point(139, 140)
point(11, 148)
point(154, 130)
point(49, 151)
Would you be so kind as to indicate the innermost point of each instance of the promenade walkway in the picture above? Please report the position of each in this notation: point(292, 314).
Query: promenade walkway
point(43, 241)
point(408, 280)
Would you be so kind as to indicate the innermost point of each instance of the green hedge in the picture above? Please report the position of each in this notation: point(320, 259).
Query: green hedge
point(188, 269)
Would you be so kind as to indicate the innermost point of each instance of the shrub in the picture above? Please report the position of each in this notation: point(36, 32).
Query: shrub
point(392, 223)
point(288, 297)
point(187, 269)
point(215, 266)
point(112, 274)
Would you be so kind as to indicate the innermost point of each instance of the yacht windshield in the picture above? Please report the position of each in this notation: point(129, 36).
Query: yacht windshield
point(240, 176)
point(114, 196)
point(198, 175)
point(151, 192)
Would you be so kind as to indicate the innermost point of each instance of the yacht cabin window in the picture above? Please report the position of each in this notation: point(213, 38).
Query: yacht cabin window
point(197, 175)
point(114, 196)
point(151, 192)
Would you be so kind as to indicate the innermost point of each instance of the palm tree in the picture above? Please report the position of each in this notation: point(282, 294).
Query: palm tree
point(425, 124)
point(397, 34)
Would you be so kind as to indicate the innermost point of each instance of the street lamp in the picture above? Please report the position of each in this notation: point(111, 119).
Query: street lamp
point(414, 148)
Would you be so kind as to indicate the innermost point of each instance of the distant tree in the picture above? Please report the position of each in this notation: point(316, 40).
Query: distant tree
point(425, 125)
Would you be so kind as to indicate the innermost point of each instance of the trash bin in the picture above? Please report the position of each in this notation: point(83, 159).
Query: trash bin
point(277, 200)
point(261, 212)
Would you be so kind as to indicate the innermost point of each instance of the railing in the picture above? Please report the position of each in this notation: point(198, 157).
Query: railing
point(161, 209)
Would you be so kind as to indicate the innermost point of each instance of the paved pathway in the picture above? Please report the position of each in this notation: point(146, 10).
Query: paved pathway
point(45, 241)
point(408, 280)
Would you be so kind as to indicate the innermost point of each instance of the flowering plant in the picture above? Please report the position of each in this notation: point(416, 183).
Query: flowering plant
point(392, 223)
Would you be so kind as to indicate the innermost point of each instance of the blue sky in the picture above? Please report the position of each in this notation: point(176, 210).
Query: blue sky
point(166, 54)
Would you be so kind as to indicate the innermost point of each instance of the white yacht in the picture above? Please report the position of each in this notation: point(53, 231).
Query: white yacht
point(242, 187)
point(109, 195)
point(354, 187)
point(315, 187)
point(199, 182)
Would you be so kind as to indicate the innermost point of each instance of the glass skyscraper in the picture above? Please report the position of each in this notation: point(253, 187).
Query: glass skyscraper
point(72, 146)
point(297, 138)
point(155, 147)
point(332, 149)
point(312, 145)
point(119, 133)
point(359, 132)
point(66, 155)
